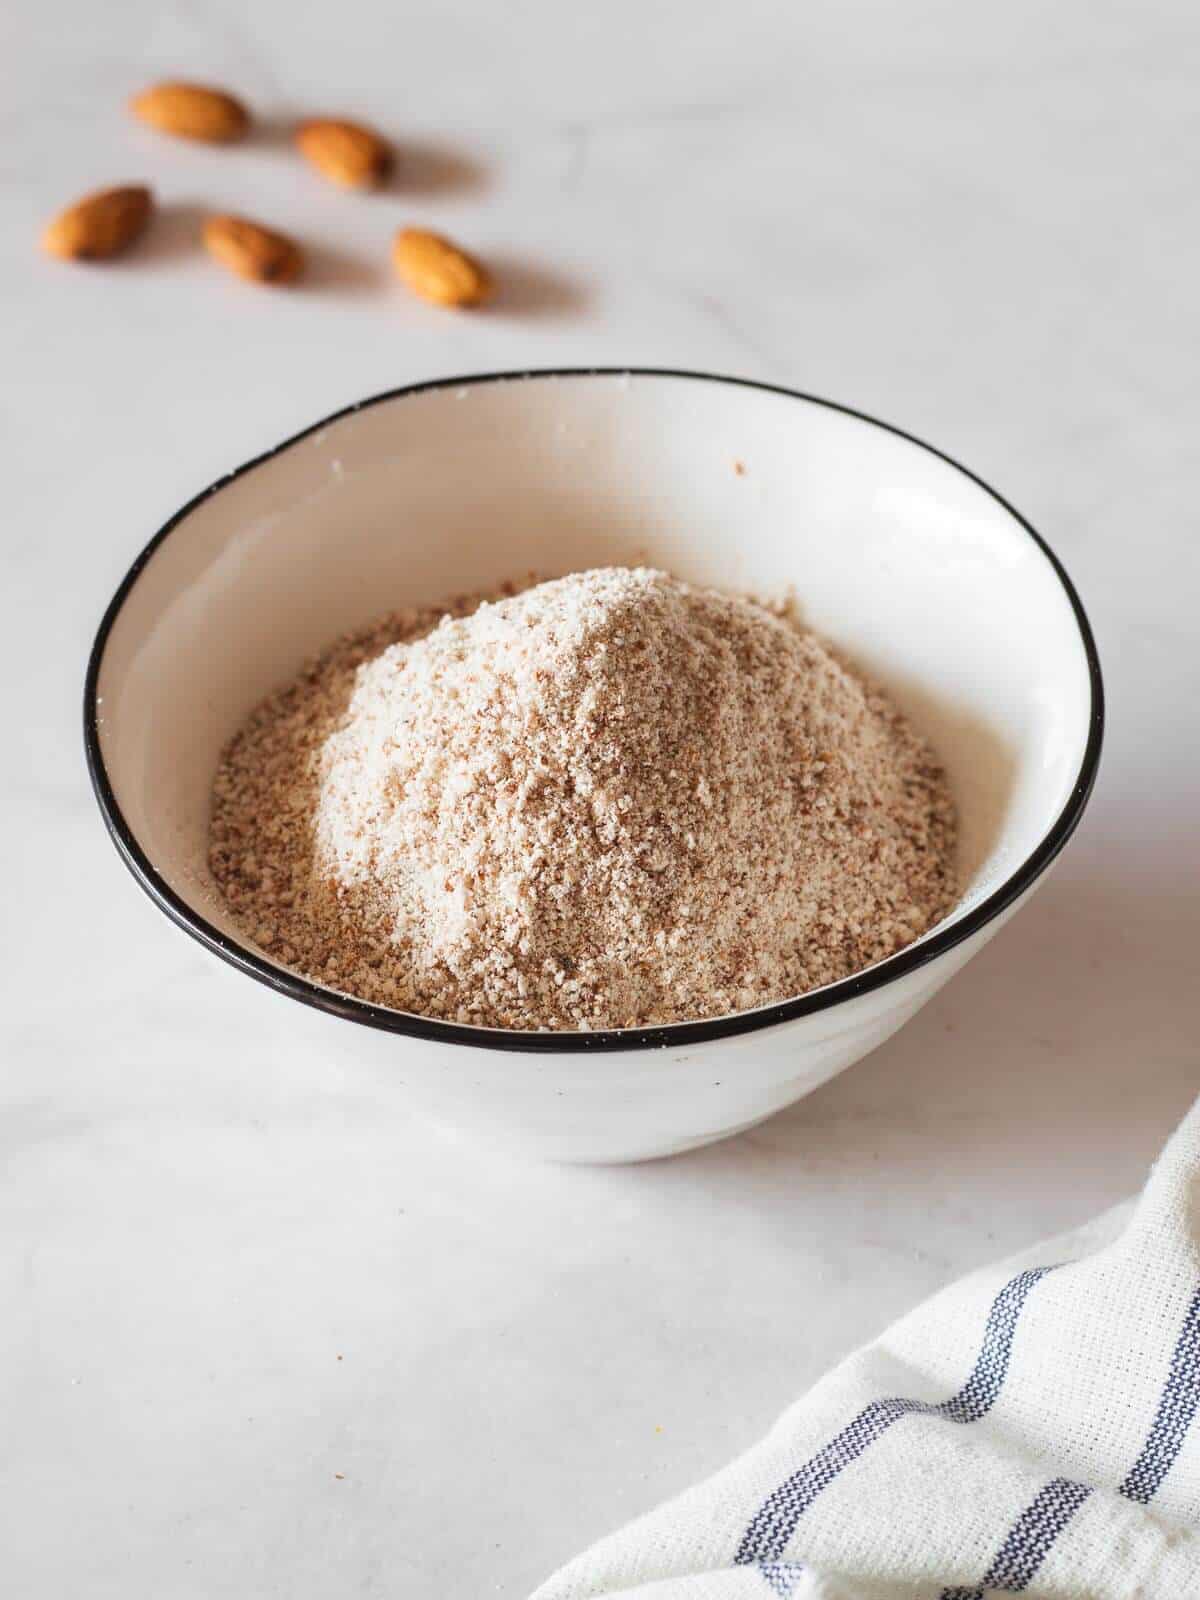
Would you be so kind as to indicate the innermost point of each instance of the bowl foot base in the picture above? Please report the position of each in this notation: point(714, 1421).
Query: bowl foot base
point(560, 1158)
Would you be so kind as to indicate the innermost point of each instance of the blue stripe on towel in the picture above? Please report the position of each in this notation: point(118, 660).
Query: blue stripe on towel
point(1033, 1533)
point(1028, 1540)
point(781, 1577)
point(775, 1521)
point(1176, 1409)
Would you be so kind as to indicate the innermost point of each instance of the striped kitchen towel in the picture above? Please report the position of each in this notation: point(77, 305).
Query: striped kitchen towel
point(1030, 1430)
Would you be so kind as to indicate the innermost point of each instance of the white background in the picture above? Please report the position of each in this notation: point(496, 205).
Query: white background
point(976, 221)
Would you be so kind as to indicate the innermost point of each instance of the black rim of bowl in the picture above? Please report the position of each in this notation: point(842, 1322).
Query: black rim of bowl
point(671, 1035)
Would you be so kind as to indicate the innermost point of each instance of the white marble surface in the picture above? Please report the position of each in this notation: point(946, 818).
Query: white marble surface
point(977, 221)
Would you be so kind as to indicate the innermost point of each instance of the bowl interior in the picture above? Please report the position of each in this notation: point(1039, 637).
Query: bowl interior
point(897, 556)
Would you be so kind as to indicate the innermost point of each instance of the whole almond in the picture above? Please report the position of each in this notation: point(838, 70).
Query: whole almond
point(192, 111)
point(253, 251)
point(99, 225)
point(344, 152)
point(438, 270)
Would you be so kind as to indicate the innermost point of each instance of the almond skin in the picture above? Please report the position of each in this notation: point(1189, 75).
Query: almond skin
point(438, 270)
point(192, 111)
point(99, 225)
point(253, 251)
point(347, 153)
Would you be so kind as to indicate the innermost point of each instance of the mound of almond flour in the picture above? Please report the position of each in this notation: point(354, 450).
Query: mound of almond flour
point(610, 800)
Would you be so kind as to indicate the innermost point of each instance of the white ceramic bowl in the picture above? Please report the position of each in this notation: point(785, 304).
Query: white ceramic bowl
point(905, 559)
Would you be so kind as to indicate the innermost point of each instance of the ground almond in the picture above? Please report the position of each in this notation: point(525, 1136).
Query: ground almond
point(612, 800)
